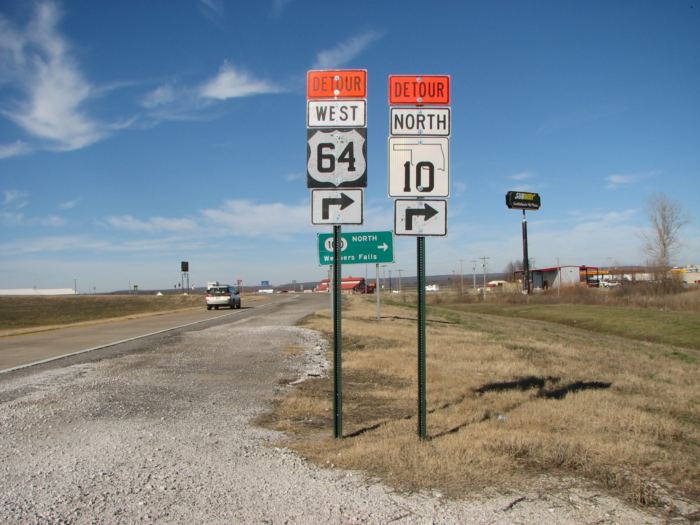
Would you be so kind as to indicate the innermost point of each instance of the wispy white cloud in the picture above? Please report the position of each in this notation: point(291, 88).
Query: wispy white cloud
point(15, 199)
point(346, 51)
point(11, 218)
point(68, 205)
point(14, 149)
point(278, 6)
point(89, 244)
point(231, 82)
point(54, 88)
point(249, 219)
point(213, 7)
point(59, 243)
point(616, 180)
point(53, 221)
point(599, 220)
point(152, 225)
point(163, 94)
point(523, 175)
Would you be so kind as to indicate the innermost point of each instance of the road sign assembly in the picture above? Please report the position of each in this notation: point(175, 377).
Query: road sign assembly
point(336, 206)
point(358, 248)
point(419, 166)
point(336, 170)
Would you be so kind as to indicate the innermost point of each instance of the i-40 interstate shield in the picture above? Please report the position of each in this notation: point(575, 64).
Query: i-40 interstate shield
point(336, 158)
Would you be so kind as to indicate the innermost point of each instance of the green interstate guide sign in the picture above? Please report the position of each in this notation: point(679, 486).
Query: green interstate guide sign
point(358, 248)
point(523, 200)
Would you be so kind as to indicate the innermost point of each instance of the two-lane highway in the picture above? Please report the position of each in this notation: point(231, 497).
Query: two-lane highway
point(19, 351)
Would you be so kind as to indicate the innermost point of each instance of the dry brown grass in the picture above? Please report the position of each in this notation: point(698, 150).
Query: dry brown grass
point(490, 420)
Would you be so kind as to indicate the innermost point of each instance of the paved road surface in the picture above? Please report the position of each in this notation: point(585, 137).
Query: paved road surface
point(20, 350)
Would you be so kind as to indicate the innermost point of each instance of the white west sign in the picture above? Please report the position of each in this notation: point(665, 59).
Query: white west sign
point(422, 217)
point(419, 167)
point(409, 122)
point(336, 113)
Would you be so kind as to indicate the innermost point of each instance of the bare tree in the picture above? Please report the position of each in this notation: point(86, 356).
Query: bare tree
point(511, 268)
point(661, 240)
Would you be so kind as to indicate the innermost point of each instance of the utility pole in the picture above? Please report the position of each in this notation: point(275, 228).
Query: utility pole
point(461, 277)
point(399, 270)
point(384, 272)
point(484, 265)
point(474, 273)
point(391, 285)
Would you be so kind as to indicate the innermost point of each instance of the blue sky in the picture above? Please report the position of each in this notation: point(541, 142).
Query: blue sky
point(134, 135)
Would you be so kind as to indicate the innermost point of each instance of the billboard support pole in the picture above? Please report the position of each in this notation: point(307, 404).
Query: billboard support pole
point(526, 260)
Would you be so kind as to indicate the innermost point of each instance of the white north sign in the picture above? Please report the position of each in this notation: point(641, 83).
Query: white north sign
point(336, 158)
point(336, 206)
point(411, 122)
point(424, 218)
point(336, 113)
point(419, 167)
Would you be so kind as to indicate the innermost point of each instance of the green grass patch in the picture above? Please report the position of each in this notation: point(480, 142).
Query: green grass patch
point(644, 324)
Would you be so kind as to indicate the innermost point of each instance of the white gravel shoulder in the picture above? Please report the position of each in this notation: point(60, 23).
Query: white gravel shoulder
point(165, 435)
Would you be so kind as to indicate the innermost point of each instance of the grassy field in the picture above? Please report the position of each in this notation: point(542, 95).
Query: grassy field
point(644, 324)
point(26, 313)
point(511, 401)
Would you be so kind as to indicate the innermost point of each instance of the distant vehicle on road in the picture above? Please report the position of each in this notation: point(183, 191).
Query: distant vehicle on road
point(222, 295)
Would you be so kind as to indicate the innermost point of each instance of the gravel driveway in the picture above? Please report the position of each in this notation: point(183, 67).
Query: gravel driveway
point(163, 434)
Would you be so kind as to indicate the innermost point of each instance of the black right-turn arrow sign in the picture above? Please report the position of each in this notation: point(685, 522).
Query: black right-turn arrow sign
point(427, 212)
point(420, 217)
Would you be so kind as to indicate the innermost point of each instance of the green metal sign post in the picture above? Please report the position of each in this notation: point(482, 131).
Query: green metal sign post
point(337, 340)
point(357, 248)
point(422, 424)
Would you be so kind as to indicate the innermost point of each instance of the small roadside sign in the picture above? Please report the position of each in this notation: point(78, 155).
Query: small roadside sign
point(336, 114)
point(410, 90)
point(336, 158)
point(358, 248)
point(344, 83)
point(424, 217)
point(336, 206)
point(419, 167)
point(523, 200)
point(410, 122)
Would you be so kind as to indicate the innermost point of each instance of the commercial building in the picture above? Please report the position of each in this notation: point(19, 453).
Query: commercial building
point(348, 285)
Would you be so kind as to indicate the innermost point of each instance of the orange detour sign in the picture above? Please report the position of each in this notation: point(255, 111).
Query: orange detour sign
point(421, 90)
point(344, 83)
